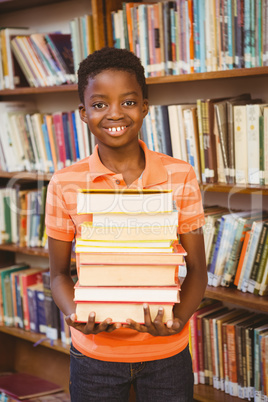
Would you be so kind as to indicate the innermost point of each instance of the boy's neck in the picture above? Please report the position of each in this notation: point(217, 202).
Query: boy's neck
point(128, 162)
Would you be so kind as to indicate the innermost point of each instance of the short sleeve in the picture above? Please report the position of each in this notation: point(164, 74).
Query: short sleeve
point(59, 224)
point(189, 204)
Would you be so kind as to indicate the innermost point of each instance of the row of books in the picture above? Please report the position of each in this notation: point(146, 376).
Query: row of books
point(225, 140)
point(26, 302)
point(37, 59)
point(22, 216)
point(42, 142)
point(120, 272)
point(229, 350)
point(236, 247)
point(192, 36)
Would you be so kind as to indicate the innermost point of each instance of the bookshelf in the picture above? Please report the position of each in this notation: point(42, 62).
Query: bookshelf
point(17, 346)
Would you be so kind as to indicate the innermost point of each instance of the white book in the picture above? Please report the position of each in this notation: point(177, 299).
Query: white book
point(241, 144)
point(78, 122)
point(7, 136)
point(174, 131)
point(265, 115)
point(192, 141)
point(180, 109)
point(36, 119)
point(11, 80)
point(145, 221)
point(124, 202)
point(253, 114)
point(152, 294)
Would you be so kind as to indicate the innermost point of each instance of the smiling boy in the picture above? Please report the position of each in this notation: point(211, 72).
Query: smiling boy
point(107, 357)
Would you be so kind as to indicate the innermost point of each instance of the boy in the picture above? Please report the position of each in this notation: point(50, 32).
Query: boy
point(107, 357)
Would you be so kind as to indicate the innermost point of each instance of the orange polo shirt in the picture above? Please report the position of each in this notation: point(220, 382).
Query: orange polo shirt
point(62, 223)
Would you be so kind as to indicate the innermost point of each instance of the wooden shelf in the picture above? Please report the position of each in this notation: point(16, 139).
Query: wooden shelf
point(235, 188)
point(33, 176)
point(36, 338)
point(169, 79)
point(14, 5)
point(38, 251)
point(39, 90)
point(217, 187)
point(206, 393)
point(231, 295)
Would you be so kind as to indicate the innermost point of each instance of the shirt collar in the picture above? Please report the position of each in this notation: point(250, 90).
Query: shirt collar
point(153, 174)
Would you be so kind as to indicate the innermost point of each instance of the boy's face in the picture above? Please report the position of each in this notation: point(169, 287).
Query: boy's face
point(114, 107)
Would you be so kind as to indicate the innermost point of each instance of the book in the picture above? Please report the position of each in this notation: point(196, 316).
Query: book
point(169, 294)
point(206, 305)
point(256, 265)
point(120, 312)
point(37, 319)
point(126, 200)
point(30, 277)
point(51, 310)
point(131, 275)
point(136, 220)
point(6, 295)
point(126, 248)
point(126, 233)
point(176, 257)
point(24, 386)
point(254, 111)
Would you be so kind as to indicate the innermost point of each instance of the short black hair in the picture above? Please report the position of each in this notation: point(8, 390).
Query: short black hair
point(110, 58)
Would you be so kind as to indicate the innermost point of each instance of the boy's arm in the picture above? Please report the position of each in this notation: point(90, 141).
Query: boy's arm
point(192, 290)
point(62, 288)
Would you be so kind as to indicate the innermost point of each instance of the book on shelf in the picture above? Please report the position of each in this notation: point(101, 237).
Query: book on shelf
point(51, 310)
point(250, 255)
point(202, 353)
point(29, 277)
point(6, 299)
point(205, 305)
point(37, 318)
point(127, 201)
point(22, 386)
point(254, 111)
point(131, 275)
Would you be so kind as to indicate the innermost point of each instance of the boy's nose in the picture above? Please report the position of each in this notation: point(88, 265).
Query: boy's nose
point(115, 112)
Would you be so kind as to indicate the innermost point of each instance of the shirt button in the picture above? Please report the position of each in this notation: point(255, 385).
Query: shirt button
point(117, 181)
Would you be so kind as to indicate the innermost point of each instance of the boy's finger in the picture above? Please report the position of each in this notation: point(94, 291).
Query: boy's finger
point(147, 315)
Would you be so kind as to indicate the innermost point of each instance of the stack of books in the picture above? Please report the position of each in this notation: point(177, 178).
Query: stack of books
point(128, 255)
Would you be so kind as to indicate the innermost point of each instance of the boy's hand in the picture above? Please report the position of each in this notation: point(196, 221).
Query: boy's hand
point(156, 327)
point(91, 327)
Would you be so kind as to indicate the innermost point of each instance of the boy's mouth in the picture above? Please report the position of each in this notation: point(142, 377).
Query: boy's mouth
point(116, 130)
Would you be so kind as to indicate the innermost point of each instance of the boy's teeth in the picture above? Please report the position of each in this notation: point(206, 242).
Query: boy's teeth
point(114, 129)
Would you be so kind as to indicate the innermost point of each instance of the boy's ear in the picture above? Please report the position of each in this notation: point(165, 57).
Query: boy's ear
point(82, 113)
point(145, 108)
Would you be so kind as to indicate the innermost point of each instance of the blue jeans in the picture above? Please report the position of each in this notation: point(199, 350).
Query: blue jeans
point(162, 380)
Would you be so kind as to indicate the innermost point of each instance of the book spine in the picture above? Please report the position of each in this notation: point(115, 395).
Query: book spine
point(262, 155)
point(196, 29)
point(232, 367)
point(261, 270)
point(230, 59)
point(253, 113)
point(258, 255)
point(247, 33)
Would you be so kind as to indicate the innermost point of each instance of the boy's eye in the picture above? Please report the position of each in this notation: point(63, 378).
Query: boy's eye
point(129, 103)
point(99, 105)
